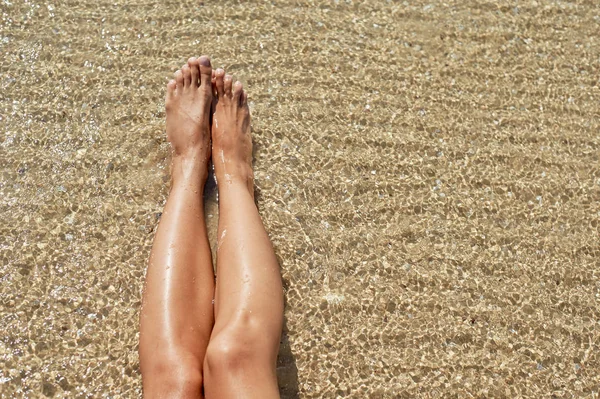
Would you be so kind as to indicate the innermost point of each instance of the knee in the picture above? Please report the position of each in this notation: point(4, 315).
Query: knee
point(240, 345)
point(225, 354)
point(171, 376)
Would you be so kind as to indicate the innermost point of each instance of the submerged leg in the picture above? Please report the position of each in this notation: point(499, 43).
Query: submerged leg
point(242, 352)
point(177, 311)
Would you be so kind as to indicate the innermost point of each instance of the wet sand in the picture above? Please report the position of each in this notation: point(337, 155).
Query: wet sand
point(428, 173)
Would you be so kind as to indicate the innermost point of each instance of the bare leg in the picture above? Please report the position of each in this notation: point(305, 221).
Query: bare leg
point(177, 312)
point(242, 353)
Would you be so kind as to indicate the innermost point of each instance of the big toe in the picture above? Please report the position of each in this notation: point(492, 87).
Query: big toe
point(205, 72)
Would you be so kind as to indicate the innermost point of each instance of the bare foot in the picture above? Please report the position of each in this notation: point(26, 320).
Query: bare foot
point(232, 142)
point(188, 103)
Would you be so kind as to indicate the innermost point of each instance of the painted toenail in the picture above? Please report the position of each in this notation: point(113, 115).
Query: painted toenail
point(204, 61)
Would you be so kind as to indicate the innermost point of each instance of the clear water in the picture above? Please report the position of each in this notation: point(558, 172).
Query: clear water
point(428, 173)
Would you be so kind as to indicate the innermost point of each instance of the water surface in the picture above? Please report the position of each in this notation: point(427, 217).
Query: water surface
point(427, 170)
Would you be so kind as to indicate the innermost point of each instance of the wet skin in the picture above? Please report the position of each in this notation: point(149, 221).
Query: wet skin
point(188, 347)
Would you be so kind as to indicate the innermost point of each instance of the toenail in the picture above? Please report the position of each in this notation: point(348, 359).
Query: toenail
point(204, 61)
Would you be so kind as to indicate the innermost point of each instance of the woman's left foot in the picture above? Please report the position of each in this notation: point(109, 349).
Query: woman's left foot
point(231, 139)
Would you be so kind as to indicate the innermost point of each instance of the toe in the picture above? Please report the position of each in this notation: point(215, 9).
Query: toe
point(170, 91)
point(193, 64)
point(219, 74)
point(227, 84)
point(205, 71)
point(238, 90)
point(187, 75)
point(213, 81)
point(179, 80)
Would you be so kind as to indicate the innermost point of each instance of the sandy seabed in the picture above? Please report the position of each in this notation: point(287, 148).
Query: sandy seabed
point(427, 170)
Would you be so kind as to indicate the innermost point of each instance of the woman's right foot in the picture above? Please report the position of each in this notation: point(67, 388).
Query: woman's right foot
point(231, 139)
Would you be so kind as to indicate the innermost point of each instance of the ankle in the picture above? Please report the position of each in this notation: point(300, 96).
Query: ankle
point(230, 169)
point(234, 176)
point(191, 168)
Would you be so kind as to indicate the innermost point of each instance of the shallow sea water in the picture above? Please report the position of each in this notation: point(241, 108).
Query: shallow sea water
point(427, 170)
